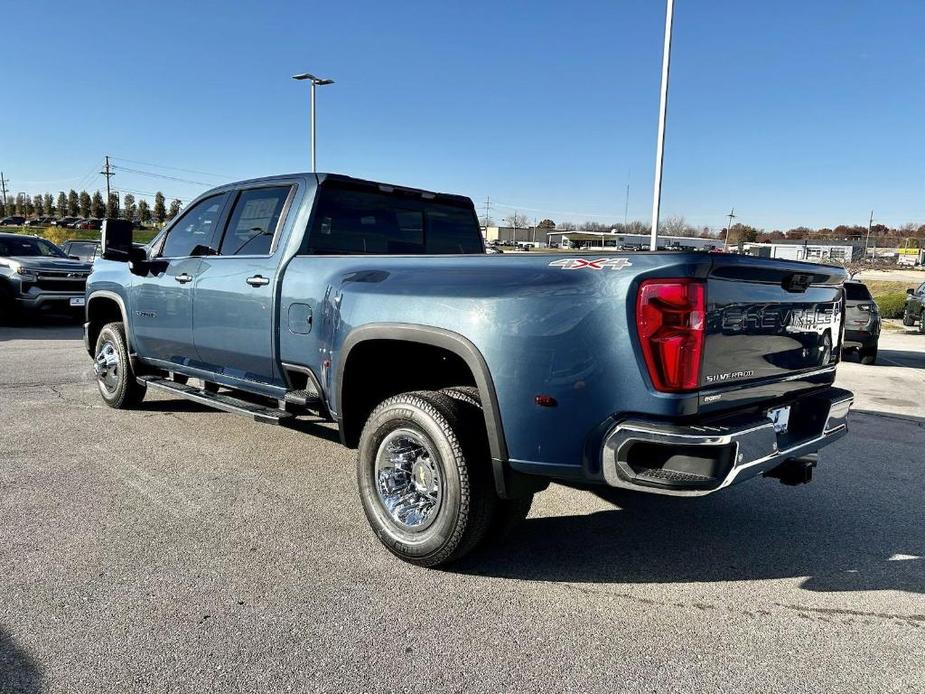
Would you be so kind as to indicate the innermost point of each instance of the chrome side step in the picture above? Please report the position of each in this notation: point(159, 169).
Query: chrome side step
point(220, 401)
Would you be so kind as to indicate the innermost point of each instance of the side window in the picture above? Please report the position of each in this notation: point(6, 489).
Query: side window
point(253, 221)
point(195, 228)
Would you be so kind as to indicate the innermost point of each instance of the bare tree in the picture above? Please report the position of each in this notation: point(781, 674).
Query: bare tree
point(676, 226)
point(520, 221)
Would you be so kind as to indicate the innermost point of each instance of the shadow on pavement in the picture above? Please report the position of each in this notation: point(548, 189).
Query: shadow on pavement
point(853, 528)
point(46, 327)
point(895, 357)
point(18, 670)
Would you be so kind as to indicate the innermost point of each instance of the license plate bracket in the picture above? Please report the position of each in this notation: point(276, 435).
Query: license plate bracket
point(780, 418)
point(77, 301)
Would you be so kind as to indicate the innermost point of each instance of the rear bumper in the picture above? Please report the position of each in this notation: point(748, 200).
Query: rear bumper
point(696, 460)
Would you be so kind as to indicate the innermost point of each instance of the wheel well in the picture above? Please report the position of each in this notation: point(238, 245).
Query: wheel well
point(101, 311)
point(377, 369)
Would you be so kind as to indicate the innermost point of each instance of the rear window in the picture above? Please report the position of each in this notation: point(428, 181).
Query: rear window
point(856, 291)
point(349, 221)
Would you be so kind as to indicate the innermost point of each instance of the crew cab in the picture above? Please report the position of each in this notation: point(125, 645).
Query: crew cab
point(36, 275)
point(468, 381)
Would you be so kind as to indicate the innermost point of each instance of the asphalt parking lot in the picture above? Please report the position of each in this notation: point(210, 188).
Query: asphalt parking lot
point(175, 548)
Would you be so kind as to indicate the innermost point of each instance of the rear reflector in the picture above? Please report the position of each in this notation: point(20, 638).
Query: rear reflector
point(670, 323)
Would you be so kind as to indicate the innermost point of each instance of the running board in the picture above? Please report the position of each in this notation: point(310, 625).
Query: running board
point(220, 401)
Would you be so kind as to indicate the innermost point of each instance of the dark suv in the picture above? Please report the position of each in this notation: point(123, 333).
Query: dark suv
point(862, 322)
point(36, 275)
point(915, 307)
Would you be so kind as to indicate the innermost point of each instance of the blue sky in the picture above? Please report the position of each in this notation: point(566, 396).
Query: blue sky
point(794, 112)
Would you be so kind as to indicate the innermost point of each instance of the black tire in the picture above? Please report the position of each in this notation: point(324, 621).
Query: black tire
point(508, 513)
point(869, 356)
point(115, 380)
point(456, 444)
point(908, 319)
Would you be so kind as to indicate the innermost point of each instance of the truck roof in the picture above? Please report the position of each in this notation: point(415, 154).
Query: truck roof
point(321, 177)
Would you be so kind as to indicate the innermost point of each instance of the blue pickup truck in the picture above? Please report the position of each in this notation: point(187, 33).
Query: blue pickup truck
point(468, 381)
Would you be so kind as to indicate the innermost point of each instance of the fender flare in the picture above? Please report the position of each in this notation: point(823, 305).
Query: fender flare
point(452, 342)
point(106, 294)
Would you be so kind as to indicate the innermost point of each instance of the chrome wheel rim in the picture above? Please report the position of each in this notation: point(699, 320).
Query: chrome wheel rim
point(107, 367)
point(409, 480)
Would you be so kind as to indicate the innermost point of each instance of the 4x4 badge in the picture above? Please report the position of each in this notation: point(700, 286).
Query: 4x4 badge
point(585, 264)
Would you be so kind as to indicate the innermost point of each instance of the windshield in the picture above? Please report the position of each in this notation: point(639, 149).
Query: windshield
point(28, 246)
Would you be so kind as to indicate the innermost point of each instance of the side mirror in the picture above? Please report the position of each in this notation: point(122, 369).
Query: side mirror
point(910, 291)
point(117, 240)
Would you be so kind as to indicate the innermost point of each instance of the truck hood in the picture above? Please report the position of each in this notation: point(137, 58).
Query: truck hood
point(41, 263)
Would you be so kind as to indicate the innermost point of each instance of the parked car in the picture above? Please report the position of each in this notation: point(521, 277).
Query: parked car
point(35, 223)
point(92, 224)
point(65, 221)
point(12, 221)
point(915, 308)
point(466, 383)
point(36, 275)
point(81, 249)
point(862, 322)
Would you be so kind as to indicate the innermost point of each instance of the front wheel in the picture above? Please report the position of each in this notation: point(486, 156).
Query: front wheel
point(424, 475)
point(114, 376)
point(869, 355)
point(908, 318)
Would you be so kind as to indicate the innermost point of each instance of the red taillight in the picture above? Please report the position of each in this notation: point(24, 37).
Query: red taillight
point(670, 322)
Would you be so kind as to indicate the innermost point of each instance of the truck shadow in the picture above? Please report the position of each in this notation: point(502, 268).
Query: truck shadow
point(48, 329)
point(18, 670)
point(858, 526)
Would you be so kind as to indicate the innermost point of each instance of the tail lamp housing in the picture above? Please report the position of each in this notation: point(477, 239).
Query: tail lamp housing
point(671, 324)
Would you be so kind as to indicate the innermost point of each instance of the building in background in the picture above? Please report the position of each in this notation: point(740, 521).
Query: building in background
point(804, 249)
point(613, 240)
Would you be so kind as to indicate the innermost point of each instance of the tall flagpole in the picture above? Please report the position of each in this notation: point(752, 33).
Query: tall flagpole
point(662, 117)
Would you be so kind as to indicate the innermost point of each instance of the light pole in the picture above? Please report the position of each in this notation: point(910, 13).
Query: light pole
point(315, 82)
point(662, 116)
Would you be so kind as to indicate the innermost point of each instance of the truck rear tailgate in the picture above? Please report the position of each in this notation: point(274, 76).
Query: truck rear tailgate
point(770, 321)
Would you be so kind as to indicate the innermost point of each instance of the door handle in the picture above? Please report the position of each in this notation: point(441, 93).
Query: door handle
point(184, 278)
point(257, 281)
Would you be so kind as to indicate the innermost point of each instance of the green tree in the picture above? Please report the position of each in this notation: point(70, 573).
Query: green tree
point(160, 211)
point(83, 205)
point(2, 208)
point(144, 212)
point(547, 224)
point(49, 204)
point(28, 208)
point(112, 205)
point(128, 207)
point(97, 206)
point(174, 210)
point(38, 204)
point(62, 204)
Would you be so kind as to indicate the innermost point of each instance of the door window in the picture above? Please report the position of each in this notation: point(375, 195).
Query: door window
point(253, 221)
point(195, 228)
